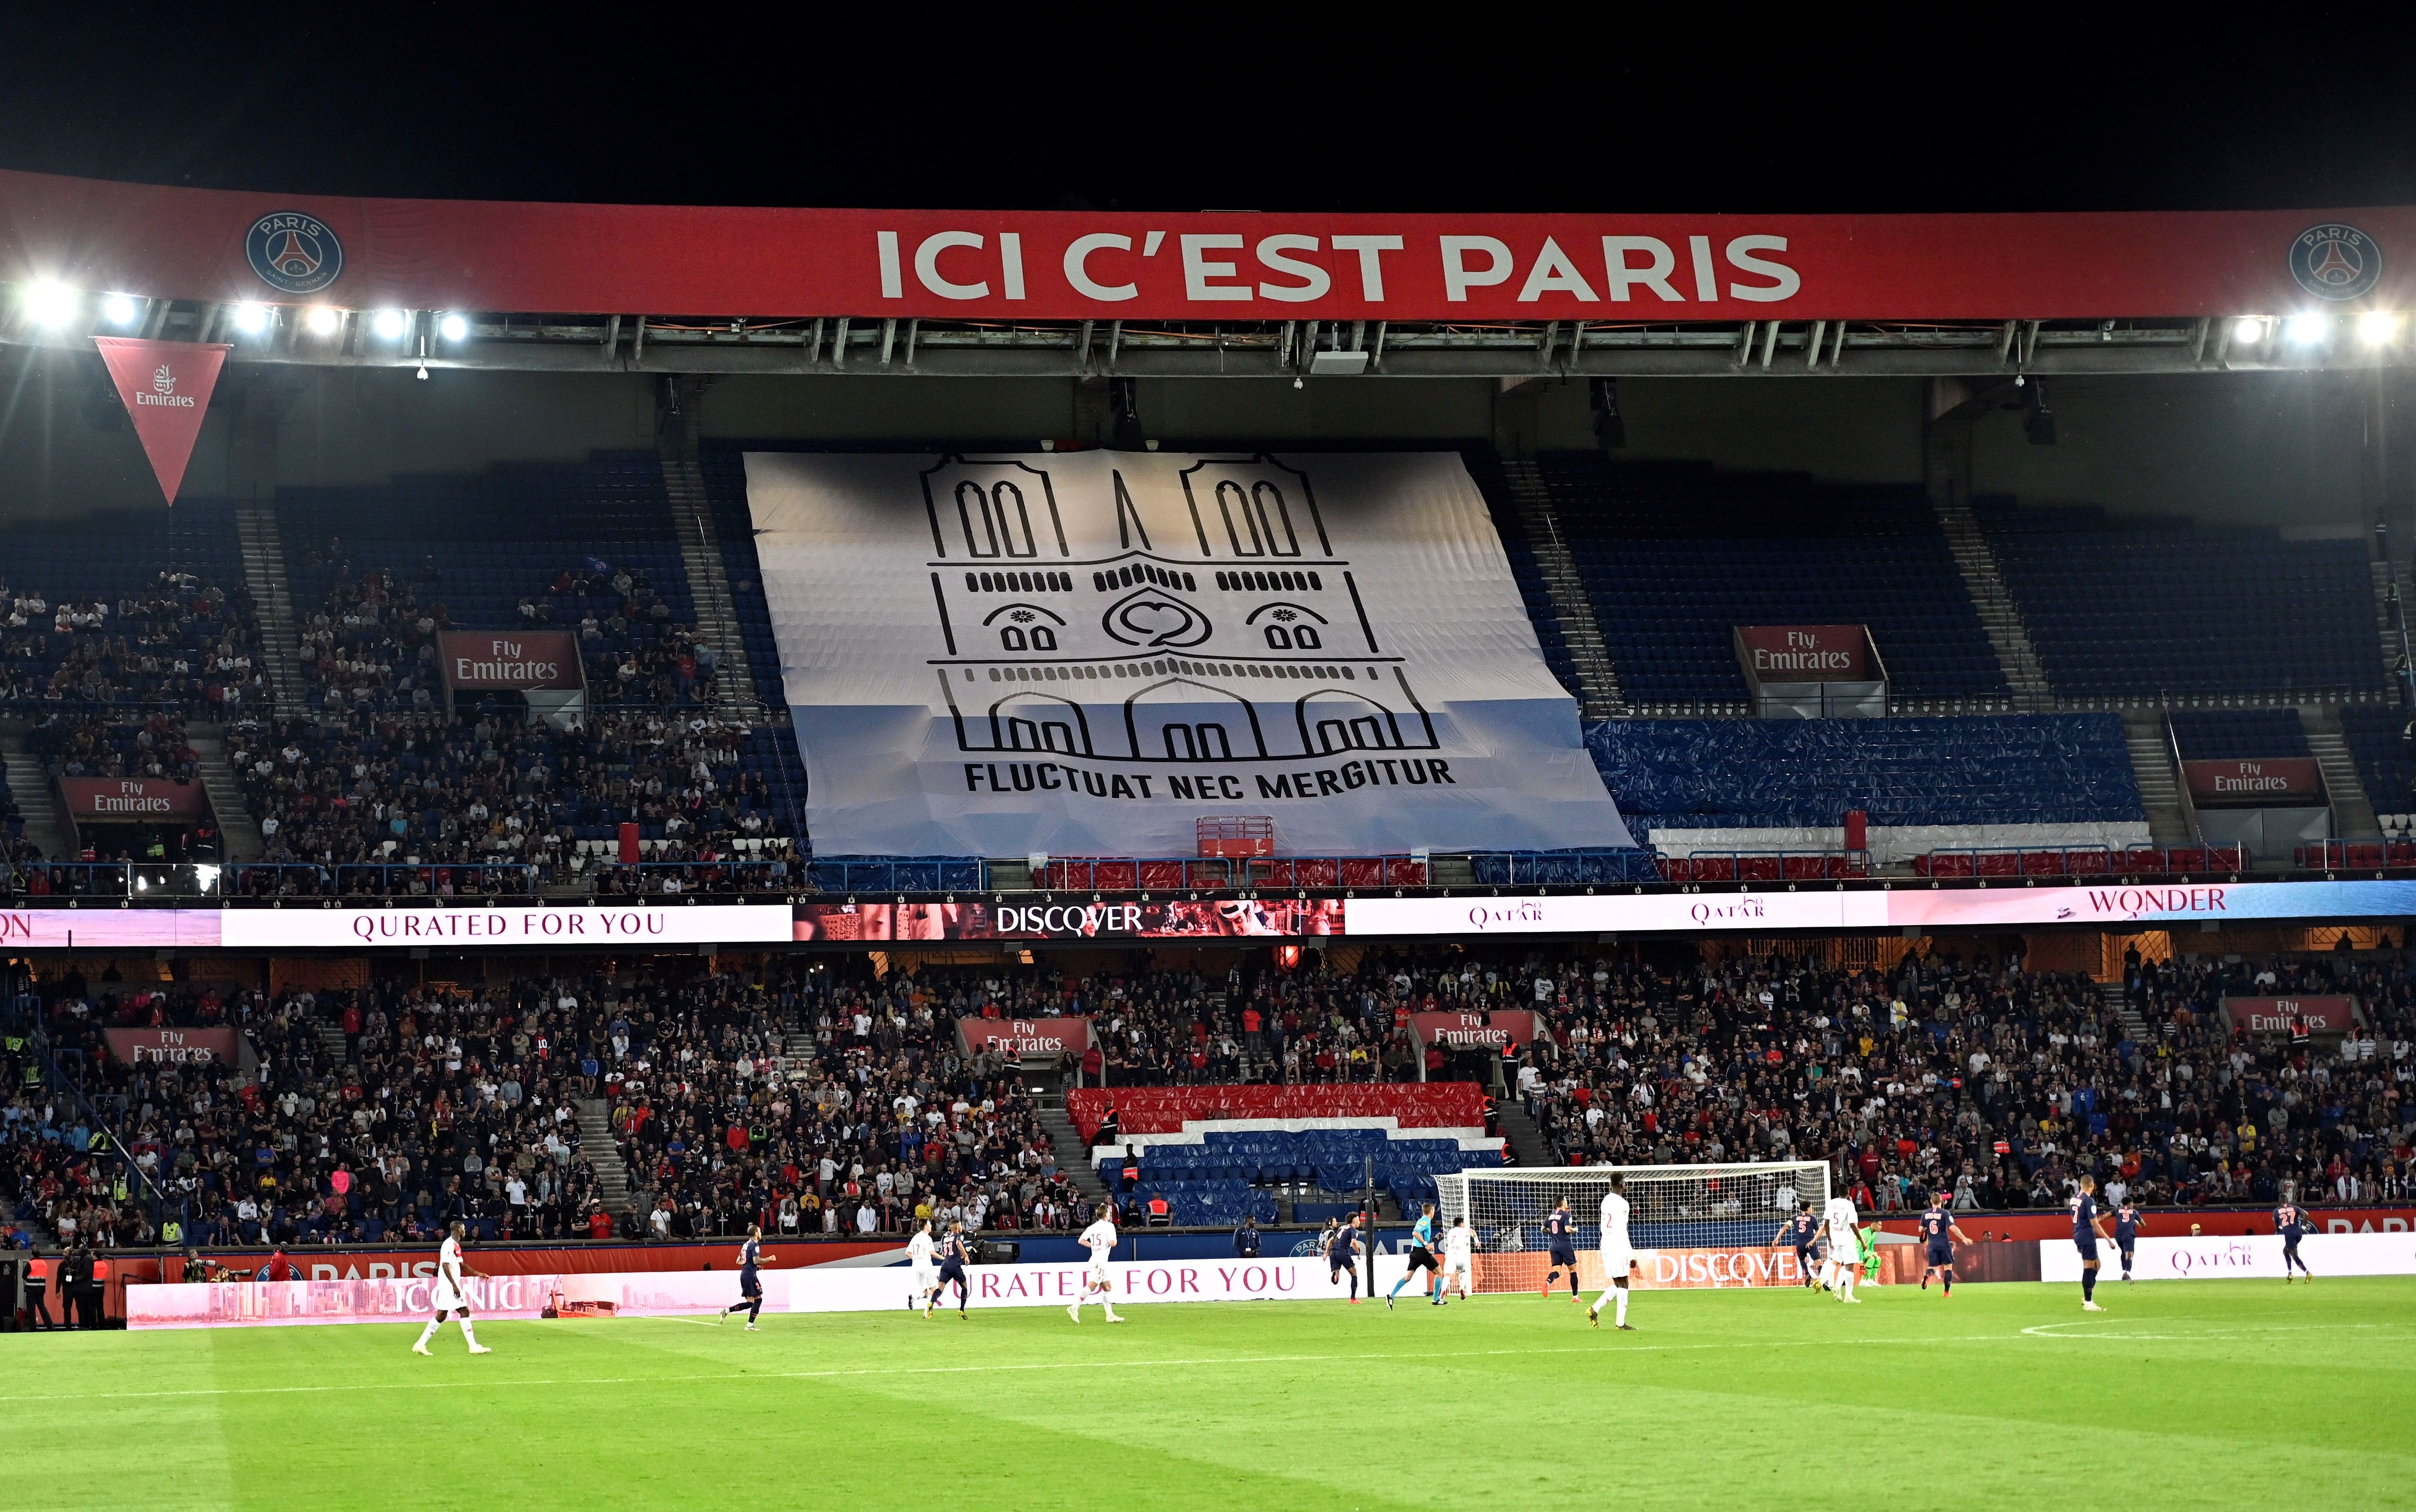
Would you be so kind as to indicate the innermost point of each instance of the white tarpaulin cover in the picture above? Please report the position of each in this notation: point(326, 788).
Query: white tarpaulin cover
point(1082, 653)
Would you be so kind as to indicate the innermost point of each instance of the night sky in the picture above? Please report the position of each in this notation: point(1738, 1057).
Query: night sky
point(1504, 108)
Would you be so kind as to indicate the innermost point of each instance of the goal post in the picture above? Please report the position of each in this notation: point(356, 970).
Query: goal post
point(1671, 1208)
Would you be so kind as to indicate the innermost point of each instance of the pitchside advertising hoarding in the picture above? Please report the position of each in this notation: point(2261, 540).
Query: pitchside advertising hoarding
point(674, 1293)
point(2219, 1258)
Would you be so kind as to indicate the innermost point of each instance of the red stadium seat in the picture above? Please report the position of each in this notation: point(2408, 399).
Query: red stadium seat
point(2186, 859)
point(1807, 868)
point(1362, 871)
point(1161, 876)
point(2143, 860)
point(2042, 863)
point(1997, 863)
point(2089, 862)
point(1757, 868)
point(1715, 869)
point(1164, 1110)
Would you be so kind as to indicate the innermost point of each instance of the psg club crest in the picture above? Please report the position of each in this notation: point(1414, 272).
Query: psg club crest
point(294, 252)
point(2335, 262)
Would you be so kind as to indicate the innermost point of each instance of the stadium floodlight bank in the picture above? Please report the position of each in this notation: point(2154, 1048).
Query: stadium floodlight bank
point(1669, 1207)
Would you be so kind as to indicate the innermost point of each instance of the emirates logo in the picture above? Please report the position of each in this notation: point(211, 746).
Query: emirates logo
point(163, 381)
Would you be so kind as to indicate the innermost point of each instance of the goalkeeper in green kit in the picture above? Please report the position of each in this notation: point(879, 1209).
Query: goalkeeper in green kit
point(1866, 1244)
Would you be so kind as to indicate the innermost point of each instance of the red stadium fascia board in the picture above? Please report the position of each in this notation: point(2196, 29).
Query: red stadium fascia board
point(163, 242)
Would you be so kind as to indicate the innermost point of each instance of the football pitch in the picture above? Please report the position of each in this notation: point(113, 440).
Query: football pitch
point(2181, 1394)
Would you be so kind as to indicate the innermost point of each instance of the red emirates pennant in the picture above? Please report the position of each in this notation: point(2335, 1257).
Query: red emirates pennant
point(166, 386)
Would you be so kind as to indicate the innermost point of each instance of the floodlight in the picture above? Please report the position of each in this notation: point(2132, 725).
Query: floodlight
point(252, 318)
point(117, 309)
point(322, 319)
point(454, 328)
point(2308, 329)
point(390, 324)
point(50, 304)
point(2248, 330)
point(2378, 327)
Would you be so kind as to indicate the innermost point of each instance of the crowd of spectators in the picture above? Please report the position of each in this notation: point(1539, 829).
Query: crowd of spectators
point(489, 802)
point(1976, 1079)
point(372, 643)
point(813, 1105)
point(823, 1098)
point(183, 641)
point(445, 1106)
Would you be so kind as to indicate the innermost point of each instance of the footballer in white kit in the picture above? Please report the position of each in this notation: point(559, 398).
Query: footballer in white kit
point(1099, 1281)
point(451, 1293)
point(1843, 1225)
point(923, 1277)
point(1459, 1259)
point(1618, 1256)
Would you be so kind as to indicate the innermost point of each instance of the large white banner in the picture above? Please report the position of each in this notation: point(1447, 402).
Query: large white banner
point(1082, 653)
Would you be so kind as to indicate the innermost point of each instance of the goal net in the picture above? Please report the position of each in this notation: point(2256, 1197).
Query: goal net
point(1670, 1208)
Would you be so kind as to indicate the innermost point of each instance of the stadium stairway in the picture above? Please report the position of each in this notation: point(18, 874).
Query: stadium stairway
point(1526, 1140)
point(2352, 811)
point(717, 617)
point(1073, 1155)
point(1604, 699)
point(272, 598)
point(2386, 577)
point(2151, 765)
point(2135, 1024)
point(596, 1142)
point(1986, 583)
point(32, 790)
point(330, 1031)
point(239, 834)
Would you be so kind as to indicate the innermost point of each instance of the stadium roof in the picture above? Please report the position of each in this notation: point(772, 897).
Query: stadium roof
point(316, 280)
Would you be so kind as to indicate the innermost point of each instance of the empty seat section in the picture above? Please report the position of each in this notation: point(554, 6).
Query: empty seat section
point(2143, 606)
point(1675, 555)
point(2013, 768)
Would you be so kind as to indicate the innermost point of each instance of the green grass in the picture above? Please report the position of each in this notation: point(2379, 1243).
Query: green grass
point(2195, 1394)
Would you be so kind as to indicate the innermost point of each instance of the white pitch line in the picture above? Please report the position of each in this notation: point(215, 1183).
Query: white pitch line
point(1419, 1356)
point(876, 1373)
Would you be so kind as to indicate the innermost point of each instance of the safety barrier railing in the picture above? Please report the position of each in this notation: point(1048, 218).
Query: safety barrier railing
point(1988, 861)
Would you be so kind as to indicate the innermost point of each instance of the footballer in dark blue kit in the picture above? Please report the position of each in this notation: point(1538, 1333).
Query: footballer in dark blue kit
point(952, 1268)
point(2126, 1233)
point(1939, 1232)
point(750, 1285)
point(2087, 1229)
point(1560, 1232)
point(1803, 1231)
point(1342, 1255)
point(2290, 1222)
